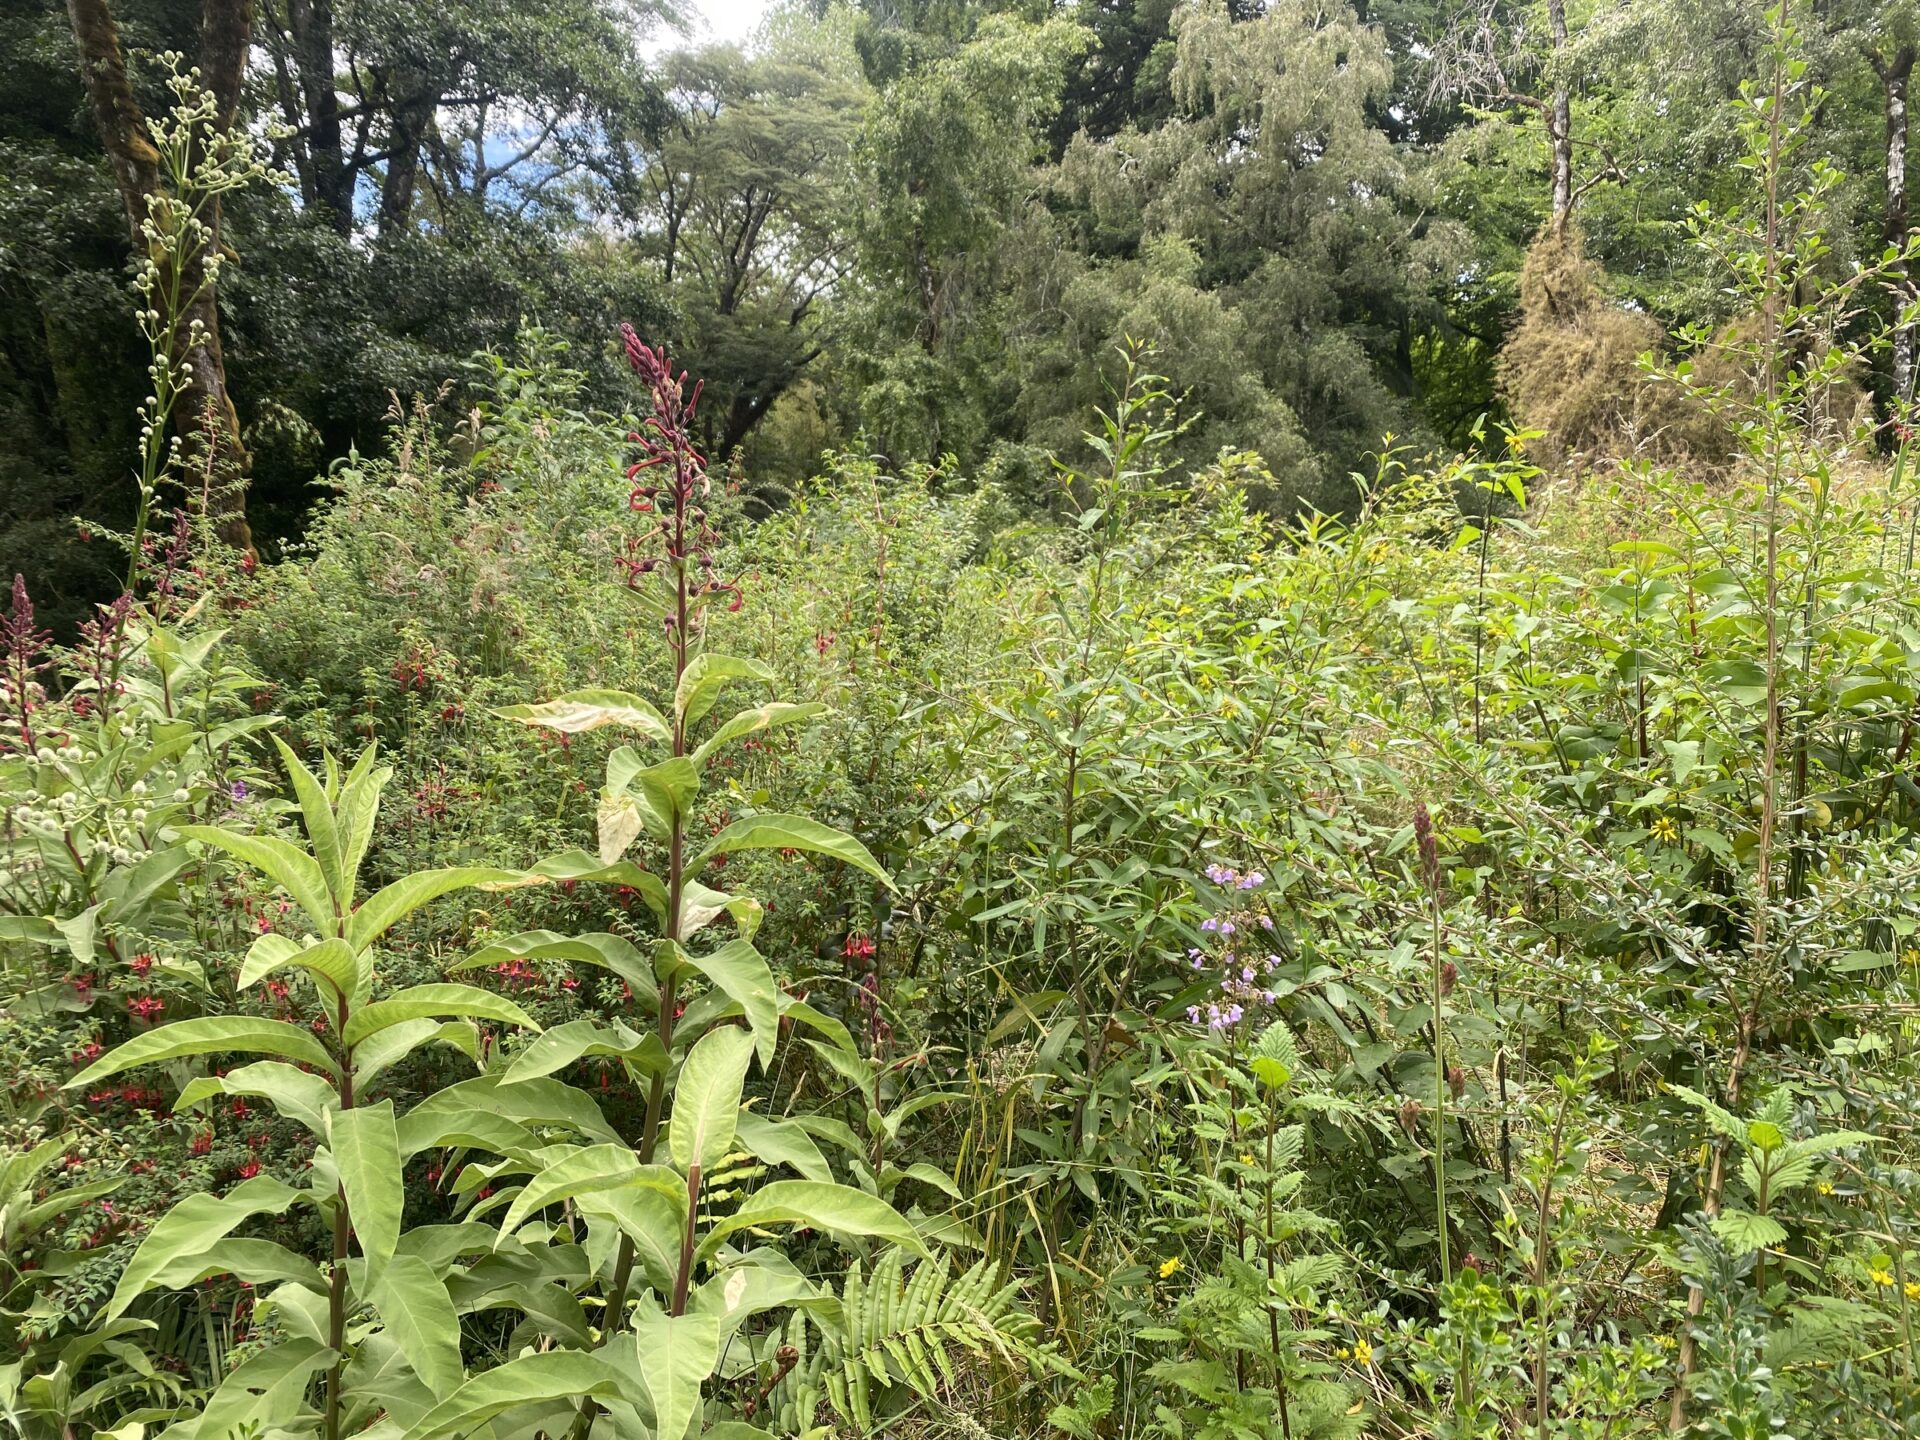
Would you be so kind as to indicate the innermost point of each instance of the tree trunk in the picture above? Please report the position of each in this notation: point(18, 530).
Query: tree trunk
point(1895, 72)
point(1560, 123)
point(203, 414)
point(410, 121)
point(311, 24)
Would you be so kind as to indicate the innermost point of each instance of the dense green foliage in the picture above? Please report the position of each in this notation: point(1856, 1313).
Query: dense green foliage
point(918, 885)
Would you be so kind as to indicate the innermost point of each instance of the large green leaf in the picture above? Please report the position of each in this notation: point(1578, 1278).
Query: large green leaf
point(579, 1039)
point(195, 1227)
point(331, 960)
point(545, 1375)
point(581, 710)
point(420, 1317)
point(423, 1002)
point(358, 808)
point(790, 832)
point(289, 867)
point(655, 1223)
point(257, 1262)
point(838, 1209)
point(366, 1152)
point(706, 1099)
point(578, 865)
point(396, 1042)
point(700, 907)
point(264, 1392)
point(527, 1103)
point(780, 1142)
point(751, 722)
point(675, 1355)
point(608, 952)
point(389, 905)
point(706, 676)
point(589, 1171)
point(738, 971)
point(316, 813)
point(295, 1094)
point(207, 1035)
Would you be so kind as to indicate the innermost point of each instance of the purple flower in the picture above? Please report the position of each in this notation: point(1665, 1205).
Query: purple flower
point(1210, 924)
point(1253, 880)
point(239, 792)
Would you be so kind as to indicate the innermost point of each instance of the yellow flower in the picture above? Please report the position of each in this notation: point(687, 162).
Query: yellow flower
point(1664, 829)
point(1913, 1290)
point(1825, 1187)
point(1169, 1265)
point(1362, 1352)
point(1247, 1159)
point(1880, 1276)
point(1911, 955)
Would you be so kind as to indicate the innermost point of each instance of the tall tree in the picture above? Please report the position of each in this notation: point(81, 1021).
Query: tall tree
point(743, 205)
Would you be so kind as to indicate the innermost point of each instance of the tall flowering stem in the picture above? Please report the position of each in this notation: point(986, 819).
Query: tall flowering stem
point(22, 647)
point(669, 486)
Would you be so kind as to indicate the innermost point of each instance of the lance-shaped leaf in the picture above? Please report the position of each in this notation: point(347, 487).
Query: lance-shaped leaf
point(581, 710)
point(706, 1099)
point(208, 1035)
point(578, 865)
point(289, 867)
point(462, 1106)
point(706, 676)
point(257, 1262)
point(295, 1094)
point(366, 1152)
point(193, 1228)
point(316, 814)
point(751, 722)
point(331, 960)
point(700, 907)
point(582, 1039)
point(586, 1172)
point(607, 952)
point(762, 1280)
point(389, 905)
point(675, 1355)
point(545, 1375)
point(264, 1392)
point(780, 1142)
point(355, 814)
point(738, 972)
point(420, 1317)
point(838, 1209)
point(655, 1223)
point(791, 832)
point(422, 1002)
point(396, 1042)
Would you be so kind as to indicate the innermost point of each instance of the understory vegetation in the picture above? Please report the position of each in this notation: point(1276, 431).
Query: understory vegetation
point(583, 948)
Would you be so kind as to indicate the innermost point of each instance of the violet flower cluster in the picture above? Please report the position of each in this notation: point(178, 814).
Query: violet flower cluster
point(1235, 945)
